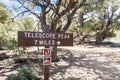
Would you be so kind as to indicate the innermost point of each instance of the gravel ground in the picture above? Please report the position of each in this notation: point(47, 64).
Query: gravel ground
point(79, 63)
point(88, 64)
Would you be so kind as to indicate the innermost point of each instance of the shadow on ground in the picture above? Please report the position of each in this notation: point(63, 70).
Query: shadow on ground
point(86, 66)
point(3, 56)
point(12, 65)
point(106, 44)
point(73, 65)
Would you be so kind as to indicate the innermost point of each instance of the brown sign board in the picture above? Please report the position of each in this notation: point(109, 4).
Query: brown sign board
point(27, 38)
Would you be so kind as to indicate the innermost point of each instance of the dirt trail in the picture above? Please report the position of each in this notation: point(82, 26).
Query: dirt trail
point(91, 64)
point(79, 63)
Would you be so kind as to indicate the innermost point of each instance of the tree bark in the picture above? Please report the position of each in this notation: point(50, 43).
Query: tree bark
point(80, 26)
point(53, 49)
point(100, 36)
point(54, 53)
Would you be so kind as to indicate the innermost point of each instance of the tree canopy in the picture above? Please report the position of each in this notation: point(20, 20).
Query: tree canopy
point(52, 12)
point(9, 27)
point(95, 16)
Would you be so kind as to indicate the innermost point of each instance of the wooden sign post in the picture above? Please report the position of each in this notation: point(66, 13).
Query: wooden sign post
point(46, 62)
point(28, 38)
point(46, 72)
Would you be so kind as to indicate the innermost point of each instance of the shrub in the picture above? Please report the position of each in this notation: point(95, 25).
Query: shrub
point(25, 73)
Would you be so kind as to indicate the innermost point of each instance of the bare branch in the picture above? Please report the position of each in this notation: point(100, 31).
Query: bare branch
point(29, 9)
point(37, 3)
point(69, 7)
point(38, 24)
point(70, 17)
point(21, 13)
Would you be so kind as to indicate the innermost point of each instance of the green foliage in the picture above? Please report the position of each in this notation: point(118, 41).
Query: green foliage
point(4, 15)
point(117, 32)
point(25, 73)
point(12, 43)
point(11, 77)
point(5, 21)
point(101, 18)
point(25, 23)
point(9, 29)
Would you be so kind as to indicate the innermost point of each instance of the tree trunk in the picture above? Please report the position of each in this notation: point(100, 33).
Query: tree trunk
point(98, 40)
point(80, 26)
point(0, 46)
point(100, 36)
point(54, 53)
point(53, 49)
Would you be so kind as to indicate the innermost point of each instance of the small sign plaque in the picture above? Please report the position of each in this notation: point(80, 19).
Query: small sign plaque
point(46, 52)
point(47, 60)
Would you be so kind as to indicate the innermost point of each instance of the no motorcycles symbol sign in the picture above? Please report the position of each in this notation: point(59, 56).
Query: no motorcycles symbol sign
point(46, 52)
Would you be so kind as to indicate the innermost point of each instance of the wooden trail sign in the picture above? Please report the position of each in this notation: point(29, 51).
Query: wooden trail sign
point(27, 38)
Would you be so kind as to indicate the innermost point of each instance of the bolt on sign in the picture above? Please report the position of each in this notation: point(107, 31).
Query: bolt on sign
point(27, 38)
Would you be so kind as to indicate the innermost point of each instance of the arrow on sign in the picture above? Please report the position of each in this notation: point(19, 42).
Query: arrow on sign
point(58, 43)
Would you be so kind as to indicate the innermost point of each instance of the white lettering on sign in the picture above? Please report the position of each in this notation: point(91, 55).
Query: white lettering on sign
point(39, 35)
point(35, 42)
point(44, 42)
point(60, 36)
point(63, 36)
point(66, 36)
